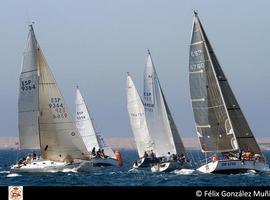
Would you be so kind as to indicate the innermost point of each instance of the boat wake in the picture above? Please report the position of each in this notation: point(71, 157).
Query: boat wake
point(133, 170)
point(13, 175)
point(251, 172)
point(74, 170)
point(4, 172)
point(184, 171)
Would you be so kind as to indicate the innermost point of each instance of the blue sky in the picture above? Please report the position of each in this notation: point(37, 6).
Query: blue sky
point(94, 43)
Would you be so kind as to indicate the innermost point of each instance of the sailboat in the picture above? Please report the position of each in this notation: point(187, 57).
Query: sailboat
point(160, 124)
point(44, 121)
point(221, 126)
point(92, 139)
point(144, 143)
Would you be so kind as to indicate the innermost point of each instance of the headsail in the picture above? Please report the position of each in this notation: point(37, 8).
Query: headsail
point(87, 129)
point(220, 123)
point(137, 119)
point(59, 137)
point(158, 117)
point(28, 96)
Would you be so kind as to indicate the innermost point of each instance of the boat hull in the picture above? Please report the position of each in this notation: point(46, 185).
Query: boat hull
point(43, 166)
point(233, 166)
point(52, 166)
point(86, 165)
point(169, 166)
point(143, 163)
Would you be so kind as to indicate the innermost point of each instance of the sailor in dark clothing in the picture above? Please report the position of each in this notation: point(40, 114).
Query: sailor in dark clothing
point(99, 153)
point(145, 154)
point(174, 157)
point(93, 151)
point(34, 155)
point(182, 158)
point(152, 155)
point(136, 163)
point(240, 154)
point(102, 154)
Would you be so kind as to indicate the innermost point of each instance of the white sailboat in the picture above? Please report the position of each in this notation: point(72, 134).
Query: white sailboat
point(92, 139)
point(160, 123)
point(44, 120)
point(221, 126)
point(138, 124)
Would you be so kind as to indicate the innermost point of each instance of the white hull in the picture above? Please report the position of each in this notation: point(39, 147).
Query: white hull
point(43, 166)
point(52, 166)
point(169, 166)
point(233, 166)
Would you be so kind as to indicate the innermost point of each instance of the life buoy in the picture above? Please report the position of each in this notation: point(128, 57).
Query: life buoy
point(118, 158)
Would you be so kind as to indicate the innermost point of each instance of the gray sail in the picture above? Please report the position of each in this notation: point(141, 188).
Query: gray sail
point(158, 117)
point(28, 96)
point(242, 131)
point(179, 146)
point(236, 120)
point(212, 120)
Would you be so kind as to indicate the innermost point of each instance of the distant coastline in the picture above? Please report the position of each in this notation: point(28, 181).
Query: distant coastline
point(12, 142)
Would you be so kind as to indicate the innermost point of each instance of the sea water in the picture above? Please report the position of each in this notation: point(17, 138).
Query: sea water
point(125, 175)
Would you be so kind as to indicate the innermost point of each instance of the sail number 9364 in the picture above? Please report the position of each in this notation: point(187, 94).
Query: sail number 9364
point(57, 106)
point(27, 85)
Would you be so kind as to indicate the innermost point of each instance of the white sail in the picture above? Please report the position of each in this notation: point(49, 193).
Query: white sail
point(137, 119)
point(87, 129)
point(28, 96)
point(59, 137)
point(159, 120)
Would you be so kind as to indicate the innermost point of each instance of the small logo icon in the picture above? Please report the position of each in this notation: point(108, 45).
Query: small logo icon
point(15, 192)
point(198, 193)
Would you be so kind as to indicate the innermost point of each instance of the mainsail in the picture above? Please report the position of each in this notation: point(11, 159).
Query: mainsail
point(86, 127)
point(220, 123)
point(137, 119)
point(160, 123)
point(28, 96)
point(59, 139)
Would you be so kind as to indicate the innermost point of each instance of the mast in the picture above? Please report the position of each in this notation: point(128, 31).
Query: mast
point(32, 29)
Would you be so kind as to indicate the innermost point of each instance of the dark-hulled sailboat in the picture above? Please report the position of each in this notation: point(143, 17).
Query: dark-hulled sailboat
point(221, 126)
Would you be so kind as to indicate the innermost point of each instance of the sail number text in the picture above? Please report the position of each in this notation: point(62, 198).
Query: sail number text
point(197, 66)
point(195, 53)
point(57, 106)
point(148, 101)
point(80, 115)
point(27, 85)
